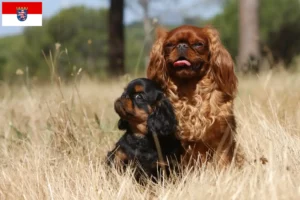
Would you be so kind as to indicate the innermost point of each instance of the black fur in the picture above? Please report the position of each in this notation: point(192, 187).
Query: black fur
point(141, 151)
point(163, 120)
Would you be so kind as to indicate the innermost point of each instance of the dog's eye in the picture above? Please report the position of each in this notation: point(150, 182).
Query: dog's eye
point(138, 97)
point(169, 44)
point(198, 44)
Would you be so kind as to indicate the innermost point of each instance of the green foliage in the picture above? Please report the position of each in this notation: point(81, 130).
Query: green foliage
point(134, 53)
point(8, 48)
point(276, 13)
point(227, 23)
point(83, 32)
point(279, 27)
point(36, 40)
point(75, 36)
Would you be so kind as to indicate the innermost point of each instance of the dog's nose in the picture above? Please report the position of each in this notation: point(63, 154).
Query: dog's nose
point(182, 47)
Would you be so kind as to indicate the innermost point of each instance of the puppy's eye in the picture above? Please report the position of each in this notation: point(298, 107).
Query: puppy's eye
point(138, 97)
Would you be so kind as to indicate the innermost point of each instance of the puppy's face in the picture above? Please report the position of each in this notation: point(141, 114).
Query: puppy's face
point(186, 51)
point(137, 103)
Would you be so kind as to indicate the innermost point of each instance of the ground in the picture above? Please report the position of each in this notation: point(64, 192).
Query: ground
point(54, 138)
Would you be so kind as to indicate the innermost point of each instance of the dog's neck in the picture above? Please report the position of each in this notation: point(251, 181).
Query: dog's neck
point(138, 129)
point(186, 87)
point(191, 88)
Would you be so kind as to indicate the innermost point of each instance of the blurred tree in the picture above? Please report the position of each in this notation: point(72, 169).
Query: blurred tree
point(249, 52)
point(36, 40)
point(274, 18)
point(116, 38)
point(196, 21)
point(2, 64)
point(227, 23)
point(8, 47)
point(285, 43)
point(75, 35)
point(280, 29)
point(134, 43)
point(82, 34)
point(147, 29)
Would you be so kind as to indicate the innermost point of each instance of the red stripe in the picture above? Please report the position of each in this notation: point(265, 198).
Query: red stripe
point(11, 7)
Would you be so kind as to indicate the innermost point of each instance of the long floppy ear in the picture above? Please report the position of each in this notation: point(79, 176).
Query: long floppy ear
point(221, 63)
point(163, 120)
point(123, 124)
point(156, 69)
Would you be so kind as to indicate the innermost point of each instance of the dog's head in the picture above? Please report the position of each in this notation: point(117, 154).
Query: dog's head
point(144, 108)
point(186, 51)
point(189, 52)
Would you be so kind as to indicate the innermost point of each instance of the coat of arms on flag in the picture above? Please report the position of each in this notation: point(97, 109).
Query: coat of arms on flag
point(22, 14)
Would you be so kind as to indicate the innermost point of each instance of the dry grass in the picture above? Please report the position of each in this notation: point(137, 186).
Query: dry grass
point(52, 146)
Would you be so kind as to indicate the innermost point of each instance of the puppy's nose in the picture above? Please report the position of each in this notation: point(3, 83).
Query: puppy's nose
point(118, 105)
point(182, 47)
point(125, 96)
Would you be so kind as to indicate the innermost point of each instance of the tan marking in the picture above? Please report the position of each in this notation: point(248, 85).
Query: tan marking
point(140, 114)
point(128, 105)
point(139, 88)
point(120, 156)
point(139, 129)
point(150, 109)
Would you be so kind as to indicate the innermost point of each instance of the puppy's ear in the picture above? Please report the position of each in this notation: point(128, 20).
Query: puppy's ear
point(222, 65)
point(163, 120)
point(123, 124)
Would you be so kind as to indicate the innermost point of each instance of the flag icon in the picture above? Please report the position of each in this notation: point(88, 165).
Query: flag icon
point(22, 13)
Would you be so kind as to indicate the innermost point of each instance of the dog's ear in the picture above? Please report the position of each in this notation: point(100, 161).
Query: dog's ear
point(157, 67)
point(221, 63)
point(161, 32)
point(123, 124)
point(163, 120)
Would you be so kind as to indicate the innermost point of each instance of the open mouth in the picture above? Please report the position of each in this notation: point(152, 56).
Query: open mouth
point(182, 62)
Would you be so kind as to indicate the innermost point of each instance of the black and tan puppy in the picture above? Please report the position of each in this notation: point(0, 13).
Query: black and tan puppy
point(144, 110)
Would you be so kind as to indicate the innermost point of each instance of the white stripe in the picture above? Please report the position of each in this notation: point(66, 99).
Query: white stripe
point(12, 20)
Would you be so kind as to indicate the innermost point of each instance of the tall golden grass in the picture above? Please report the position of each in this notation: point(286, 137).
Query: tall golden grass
point(54, 138)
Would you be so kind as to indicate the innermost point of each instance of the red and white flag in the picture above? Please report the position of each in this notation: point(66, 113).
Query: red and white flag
point(22, 13)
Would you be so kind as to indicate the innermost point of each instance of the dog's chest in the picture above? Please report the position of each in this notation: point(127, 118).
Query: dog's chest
point(197, 112)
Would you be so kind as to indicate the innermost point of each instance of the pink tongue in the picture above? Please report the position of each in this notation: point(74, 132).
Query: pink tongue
point(181, 63)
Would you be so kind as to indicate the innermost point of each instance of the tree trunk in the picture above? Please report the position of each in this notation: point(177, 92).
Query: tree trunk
point(147, 30)
point(116, 38)
point(249, 51)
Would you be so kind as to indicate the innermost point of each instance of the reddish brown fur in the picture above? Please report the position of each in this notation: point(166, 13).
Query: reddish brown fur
point(203, 99)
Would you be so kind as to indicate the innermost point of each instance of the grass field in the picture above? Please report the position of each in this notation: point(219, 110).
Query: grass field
point(53, 140)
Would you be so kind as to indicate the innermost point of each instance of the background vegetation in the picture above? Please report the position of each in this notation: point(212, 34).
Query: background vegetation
point(279, 29)
point(81, 40)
